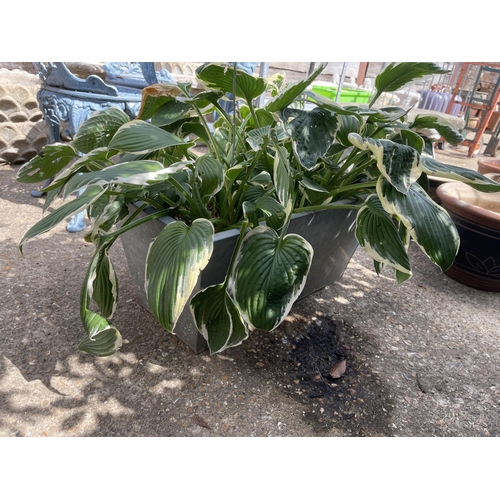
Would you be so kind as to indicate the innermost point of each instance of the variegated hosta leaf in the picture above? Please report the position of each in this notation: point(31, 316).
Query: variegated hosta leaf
point(173, 264)
point(397, 75)
point(398, 163)
point(105, 213)
point(195, 128)
point(377, 234)
point(99, 129)
point(170, 112)
point(429, 224)
point(154, 96)
point(253, 193)
point(337, 107)
point(261, 179)
point(349, 124)
point(282, 179)
point(468, 176)
point(410, 138)
point(211, 174)
point(256, 137)
point(218, 319)
point(313, 132)
point(388, 114)
point(448, 132)
point(288, 93)
point(137, 172)
point(401, 276)
point(101, 338)
point(269, 274)
point(53, 159)
point(141, 137)
point(94, 161)
point(314, 192)
point(264, 117)
point(105, 284)
point(204, 100)
point(273, 211)
point(250, 213)
point(220, 77)
point(69, 209)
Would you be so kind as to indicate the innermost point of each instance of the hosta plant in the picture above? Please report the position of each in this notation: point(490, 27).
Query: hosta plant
point(257, 167)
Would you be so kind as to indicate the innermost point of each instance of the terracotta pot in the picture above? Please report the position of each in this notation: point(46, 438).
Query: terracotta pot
point(488, 166)
point(477, 217)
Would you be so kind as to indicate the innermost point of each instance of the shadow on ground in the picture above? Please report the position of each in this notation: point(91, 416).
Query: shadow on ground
point(421, 359)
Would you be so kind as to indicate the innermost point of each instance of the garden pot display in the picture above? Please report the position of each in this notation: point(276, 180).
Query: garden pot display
point(330, 232)
point(477, 218)
point(488, 166)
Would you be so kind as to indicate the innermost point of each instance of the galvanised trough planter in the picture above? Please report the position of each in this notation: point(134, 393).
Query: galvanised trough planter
point(330, 232)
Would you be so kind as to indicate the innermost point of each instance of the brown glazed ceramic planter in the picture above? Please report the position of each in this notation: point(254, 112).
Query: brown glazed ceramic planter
point(488, 166)
point(477, 218)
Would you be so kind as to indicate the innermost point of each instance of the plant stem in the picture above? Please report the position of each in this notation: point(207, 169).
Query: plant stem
point(243, 230)
point(316, 208)
point(135, 197)
point(196, 208)
point(238, 197)
point(128, 225)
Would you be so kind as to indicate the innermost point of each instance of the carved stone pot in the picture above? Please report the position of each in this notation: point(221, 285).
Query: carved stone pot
point(330, 232)
point(477, 218)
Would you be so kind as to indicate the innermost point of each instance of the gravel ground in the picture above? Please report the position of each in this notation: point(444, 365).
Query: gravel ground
point(421, 359)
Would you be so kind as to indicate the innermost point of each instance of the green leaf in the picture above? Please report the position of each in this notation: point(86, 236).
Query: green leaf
point(67, 210)
point(257, 136)
point(220, 76)
point(169, 112)
point(197, 129)
point(290, 92)
point(53, 159)
point(448, 132)
point(428, 223)
point(103, 338)
point(264, 117)
point(377, 234)
point(173, 264)
point(269, 274)
point(99, 129)
point(282, 179)
point(312, 186)
point(155, 96)
point(211, 174)
point(410, 138)
point(339, 108)
point(250, 213)
point(273, 211)
point(398, 163)
point(104, 213)
point(388, 114)
point(137, 172)
point(397, 75)
point(471, 177)
point(218, 319)
point(141, 137)
point(105, 285)
point(312, 132)
point(349, 124)
point(206, 99)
